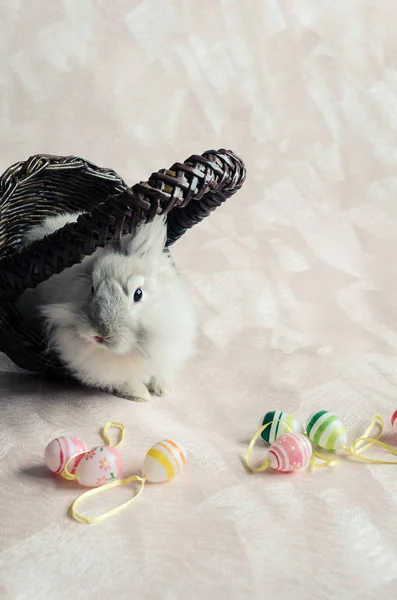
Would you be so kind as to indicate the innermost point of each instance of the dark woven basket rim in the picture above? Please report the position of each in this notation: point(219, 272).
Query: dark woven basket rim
point(47, 184)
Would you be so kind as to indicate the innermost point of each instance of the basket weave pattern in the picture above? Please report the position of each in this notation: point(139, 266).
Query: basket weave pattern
point(47, 185)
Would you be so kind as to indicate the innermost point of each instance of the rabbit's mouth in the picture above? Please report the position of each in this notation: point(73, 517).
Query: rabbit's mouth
point(117, 344)
point(100, 340)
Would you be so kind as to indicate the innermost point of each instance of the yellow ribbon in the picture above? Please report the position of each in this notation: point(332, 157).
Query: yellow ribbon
point(357, 448)
point(374, 442)
point(250, 448)
point(66, 474)
point(325, 461)
point(105, 430)
point(104, 488)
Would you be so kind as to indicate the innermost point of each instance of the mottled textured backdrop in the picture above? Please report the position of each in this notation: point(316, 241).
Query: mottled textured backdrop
point(294, 281)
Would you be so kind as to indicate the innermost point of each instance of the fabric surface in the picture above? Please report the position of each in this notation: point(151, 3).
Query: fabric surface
point(294, 281)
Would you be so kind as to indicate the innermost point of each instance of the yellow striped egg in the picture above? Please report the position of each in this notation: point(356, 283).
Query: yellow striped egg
point(163, 461)
point(325, 430)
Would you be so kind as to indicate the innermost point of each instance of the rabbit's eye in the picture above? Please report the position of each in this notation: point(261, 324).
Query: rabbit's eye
point(92, 290)
point(138, 295)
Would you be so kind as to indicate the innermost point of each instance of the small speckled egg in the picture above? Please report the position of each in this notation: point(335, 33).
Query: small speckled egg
point(291, 452)
point(394, 420)
point(99, 466)
point(163, 461)
point(326, 430)
point(281, 422)
point(60, 450)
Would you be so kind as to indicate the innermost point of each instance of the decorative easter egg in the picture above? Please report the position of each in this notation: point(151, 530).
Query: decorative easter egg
point(163, 461)
point(290, 452)
point(325, 430)
point(281, 422)
point(60, 450)
point(394, 420)
point(99, 466)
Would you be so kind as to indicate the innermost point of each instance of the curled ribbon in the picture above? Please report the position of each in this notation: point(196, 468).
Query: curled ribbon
point(105, 430)
point(357, 446)
point(104, 488)
point(250, 448)
point(326, 460)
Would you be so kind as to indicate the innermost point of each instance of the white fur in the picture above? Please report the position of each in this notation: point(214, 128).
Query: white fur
point(146, 342)
point(49, 225)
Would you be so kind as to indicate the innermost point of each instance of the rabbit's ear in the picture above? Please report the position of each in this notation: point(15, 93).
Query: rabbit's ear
point(149, 240)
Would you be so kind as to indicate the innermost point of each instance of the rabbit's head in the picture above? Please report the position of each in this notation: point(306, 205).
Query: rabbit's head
point(113, 299)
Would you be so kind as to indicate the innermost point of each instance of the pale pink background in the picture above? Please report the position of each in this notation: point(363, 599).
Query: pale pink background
point(294, 281)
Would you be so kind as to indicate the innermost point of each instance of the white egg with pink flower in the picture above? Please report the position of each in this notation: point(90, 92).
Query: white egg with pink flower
point(99, 466)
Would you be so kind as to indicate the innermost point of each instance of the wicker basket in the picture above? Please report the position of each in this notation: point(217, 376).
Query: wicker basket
point(47, 185)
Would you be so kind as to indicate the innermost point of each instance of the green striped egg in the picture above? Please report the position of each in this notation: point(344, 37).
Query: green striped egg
point(325, 430)
point(281, 422)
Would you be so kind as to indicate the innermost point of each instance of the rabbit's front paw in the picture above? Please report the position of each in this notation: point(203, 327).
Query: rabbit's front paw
point(158, 387)
point(136, 392)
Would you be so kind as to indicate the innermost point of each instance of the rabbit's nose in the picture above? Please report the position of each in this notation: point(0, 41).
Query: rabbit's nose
point(99, 339)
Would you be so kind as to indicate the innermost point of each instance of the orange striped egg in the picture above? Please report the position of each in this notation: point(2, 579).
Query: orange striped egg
point(59, 451)
point(163, 461)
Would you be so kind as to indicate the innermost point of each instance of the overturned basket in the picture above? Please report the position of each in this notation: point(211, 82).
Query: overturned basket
point(47, 185)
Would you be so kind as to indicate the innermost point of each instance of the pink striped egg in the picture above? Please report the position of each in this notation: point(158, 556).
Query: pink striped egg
point(60, 450)
point(163, 461)
point(394, 420)
point(99, 466)
point(290, 452)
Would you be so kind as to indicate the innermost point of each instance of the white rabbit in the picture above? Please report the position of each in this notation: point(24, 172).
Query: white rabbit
point(121, 320)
